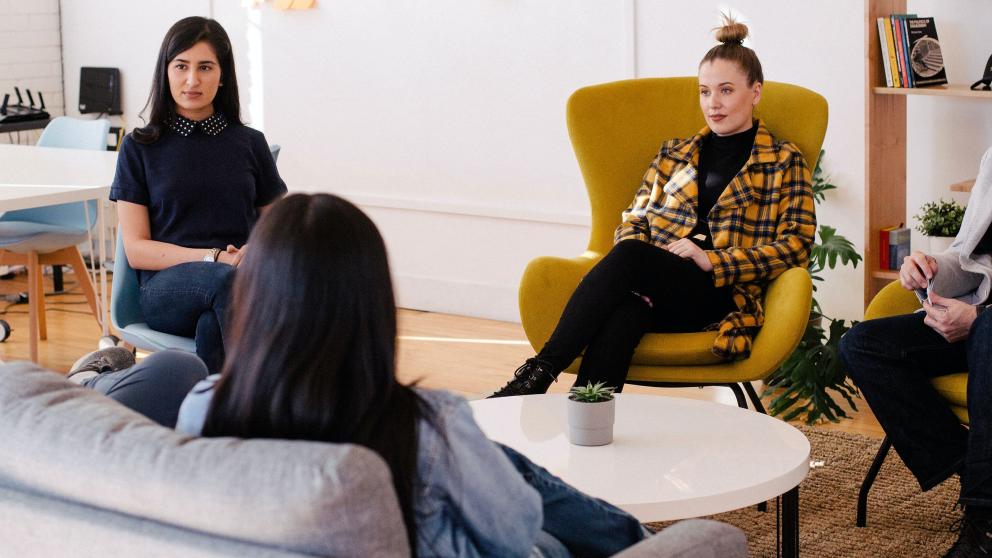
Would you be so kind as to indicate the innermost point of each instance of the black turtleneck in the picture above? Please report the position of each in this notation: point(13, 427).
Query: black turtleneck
point(720, 159)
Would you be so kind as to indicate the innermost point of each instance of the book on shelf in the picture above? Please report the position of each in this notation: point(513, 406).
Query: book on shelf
point(883, 247)
point(898, 246)
point(926, 63)
point(885, 41)
point(902, 51)
point(891, 52)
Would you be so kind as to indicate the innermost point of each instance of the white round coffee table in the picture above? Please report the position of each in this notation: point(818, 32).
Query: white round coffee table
point(671, 458)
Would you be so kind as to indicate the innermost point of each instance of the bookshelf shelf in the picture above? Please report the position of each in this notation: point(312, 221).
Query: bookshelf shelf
point(886, 275)
point(953, 90)
point(885, 143)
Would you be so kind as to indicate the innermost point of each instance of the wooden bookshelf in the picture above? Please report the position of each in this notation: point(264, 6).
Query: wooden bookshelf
point(963, 186)
point(885, 143)
point(952, 90)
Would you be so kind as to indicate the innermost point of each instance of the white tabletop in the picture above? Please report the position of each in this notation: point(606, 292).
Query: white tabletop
point(29, 165)
point(671, 458)
point(25, 197)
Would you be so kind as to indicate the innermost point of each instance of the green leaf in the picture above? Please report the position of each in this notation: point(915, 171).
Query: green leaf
point(940, 218)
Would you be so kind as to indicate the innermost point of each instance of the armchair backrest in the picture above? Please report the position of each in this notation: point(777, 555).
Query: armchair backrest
point(616, 129)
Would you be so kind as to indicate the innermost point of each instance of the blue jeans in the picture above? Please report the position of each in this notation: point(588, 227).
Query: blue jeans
point(190, 300)
point(892, 360)
point(583, 525)
point(154, 387)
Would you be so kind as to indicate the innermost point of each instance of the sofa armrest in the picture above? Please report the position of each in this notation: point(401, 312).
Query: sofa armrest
point(694, 538)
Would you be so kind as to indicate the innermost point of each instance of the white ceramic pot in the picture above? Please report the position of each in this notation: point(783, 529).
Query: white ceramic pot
point(939, 243)
point(591, 424)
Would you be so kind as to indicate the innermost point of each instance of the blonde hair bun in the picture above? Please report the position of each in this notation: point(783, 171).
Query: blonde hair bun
point(732, 32)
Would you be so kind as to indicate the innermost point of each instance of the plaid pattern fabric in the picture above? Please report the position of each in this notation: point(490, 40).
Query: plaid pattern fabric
point(763, 223)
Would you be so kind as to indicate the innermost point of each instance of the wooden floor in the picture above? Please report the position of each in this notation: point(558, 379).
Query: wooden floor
point(470, 356)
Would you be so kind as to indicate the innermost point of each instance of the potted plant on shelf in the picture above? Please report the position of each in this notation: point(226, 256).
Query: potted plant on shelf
point(591, 411)
point(940, 222)
point(804, 382)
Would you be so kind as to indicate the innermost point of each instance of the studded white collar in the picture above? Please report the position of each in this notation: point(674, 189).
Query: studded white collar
point(211, 126)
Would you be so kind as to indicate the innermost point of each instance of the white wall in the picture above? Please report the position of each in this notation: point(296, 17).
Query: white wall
point(947, 137)
point(445, 118)
point(30, 56)
point(118, 34)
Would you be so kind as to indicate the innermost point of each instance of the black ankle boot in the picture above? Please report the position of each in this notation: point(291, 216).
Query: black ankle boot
point(974, 538)
point(534, 377)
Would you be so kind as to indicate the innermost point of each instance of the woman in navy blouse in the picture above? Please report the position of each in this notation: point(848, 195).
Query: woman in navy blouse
point(190, 185)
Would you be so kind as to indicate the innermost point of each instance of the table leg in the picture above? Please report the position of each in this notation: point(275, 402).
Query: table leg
point(104, 298)
point(33, 297)
point(789, 509)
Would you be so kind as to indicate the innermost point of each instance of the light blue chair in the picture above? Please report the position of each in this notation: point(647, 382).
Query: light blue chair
point(48, 235)
point(125, 305)
point(125, 311)
point(275, 149)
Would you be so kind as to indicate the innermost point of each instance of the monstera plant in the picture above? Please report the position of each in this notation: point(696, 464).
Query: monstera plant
point(806, 384)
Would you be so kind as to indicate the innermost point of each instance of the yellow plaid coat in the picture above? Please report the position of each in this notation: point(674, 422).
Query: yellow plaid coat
point(763, 223)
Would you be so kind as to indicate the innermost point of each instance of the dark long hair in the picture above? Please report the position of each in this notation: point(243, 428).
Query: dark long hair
point(181, 37)
point(312, 343)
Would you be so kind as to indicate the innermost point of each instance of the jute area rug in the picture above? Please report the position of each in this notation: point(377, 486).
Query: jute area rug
point(903, 522)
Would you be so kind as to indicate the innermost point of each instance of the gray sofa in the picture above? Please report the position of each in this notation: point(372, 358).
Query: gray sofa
point(83, 476)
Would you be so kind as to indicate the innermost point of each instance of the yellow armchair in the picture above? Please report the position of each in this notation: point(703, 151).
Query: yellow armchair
point(616, 130)
point(894, 300)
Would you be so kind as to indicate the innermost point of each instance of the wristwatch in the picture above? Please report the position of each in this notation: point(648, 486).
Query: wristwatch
point(981, 308)
point(212, 255)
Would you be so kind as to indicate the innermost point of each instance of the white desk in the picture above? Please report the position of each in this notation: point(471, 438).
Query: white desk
point(671, 458)
point(30, 165)
point(33, 176)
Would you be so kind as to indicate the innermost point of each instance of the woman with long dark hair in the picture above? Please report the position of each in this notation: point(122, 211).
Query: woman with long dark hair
point(190, 185)
point(312, 357)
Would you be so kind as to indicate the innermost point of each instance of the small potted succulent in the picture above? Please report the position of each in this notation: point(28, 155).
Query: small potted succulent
point(591, 410)
point(940, 222)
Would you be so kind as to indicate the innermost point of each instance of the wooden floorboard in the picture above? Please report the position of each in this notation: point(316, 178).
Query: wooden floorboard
point(470, 356)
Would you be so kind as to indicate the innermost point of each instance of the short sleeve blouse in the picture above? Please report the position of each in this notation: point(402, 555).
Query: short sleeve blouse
point(202, 182)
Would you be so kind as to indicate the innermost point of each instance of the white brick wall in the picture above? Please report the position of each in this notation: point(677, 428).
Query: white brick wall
point(31, 56)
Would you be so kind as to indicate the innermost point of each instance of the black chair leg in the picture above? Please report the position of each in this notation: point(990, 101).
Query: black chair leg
point(739, 393)
point(883, 450)
point(755, 400)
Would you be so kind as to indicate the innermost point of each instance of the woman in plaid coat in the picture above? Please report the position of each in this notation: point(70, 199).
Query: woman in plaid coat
point(717, 216)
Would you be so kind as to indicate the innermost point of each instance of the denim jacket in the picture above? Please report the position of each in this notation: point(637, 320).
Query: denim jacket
point(469, 499)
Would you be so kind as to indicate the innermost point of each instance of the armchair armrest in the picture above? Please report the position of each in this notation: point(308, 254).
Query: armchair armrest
point(892, 300)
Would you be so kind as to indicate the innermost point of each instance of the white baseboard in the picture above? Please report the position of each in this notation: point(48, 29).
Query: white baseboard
point(453, 296)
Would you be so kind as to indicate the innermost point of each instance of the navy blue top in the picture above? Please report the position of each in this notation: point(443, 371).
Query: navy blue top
point(202, 185)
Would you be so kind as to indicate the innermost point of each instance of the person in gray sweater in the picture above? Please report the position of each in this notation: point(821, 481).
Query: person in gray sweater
point(892, 360)
point(312, 357)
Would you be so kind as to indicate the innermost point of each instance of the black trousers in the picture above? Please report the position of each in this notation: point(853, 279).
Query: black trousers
point(892, 360)
point(607, 316)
